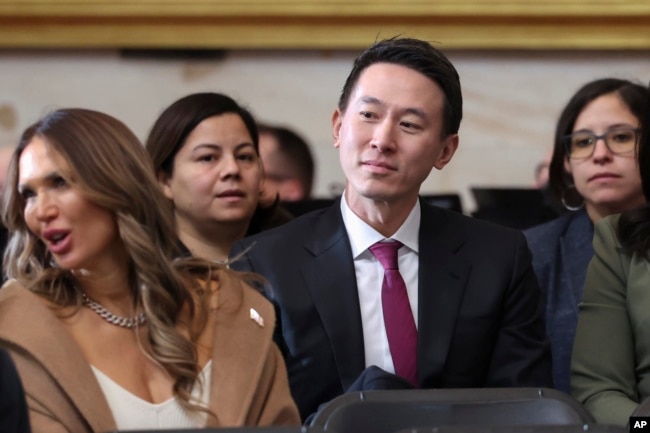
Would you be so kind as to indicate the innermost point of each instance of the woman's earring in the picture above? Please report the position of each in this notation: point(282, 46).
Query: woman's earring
point(566, 202)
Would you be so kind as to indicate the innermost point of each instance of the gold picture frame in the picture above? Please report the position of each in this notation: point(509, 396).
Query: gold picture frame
point(324, 24)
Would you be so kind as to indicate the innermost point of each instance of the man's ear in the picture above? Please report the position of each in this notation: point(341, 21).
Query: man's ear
point(450, 144)
point(336, 126)
point(164, 182)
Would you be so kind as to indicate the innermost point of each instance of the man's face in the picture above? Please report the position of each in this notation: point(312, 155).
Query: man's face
point(389, 136)
point(279, 175)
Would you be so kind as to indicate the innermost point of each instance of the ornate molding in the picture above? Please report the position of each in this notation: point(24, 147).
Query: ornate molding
point(324, 24)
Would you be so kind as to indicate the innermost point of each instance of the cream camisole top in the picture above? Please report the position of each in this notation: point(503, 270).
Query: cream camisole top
point(131, 412)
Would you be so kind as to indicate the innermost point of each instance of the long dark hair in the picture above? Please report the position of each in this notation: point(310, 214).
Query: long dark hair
point(176, 123)
point(632, 94)
point(634, 225)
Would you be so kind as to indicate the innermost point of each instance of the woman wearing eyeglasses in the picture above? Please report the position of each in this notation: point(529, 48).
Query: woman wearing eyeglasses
point(593, 173)
point(610, 371)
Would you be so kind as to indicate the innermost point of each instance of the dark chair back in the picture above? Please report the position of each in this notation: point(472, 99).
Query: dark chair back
point(447, 201)
point(14, 416)
point(518, 208)
point(587, 428)
point(297, 429)
point(297, 208)
point(390, 411)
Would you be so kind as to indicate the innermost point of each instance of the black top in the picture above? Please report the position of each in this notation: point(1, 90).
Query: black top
point(13, 408)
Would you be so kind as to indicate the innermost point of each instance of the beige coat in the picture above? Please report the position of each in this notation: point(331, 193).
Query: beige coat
point(248, 386)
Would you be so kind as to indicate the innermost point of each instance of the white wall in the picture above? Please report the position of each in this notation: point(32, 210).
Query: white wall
point(511, 99)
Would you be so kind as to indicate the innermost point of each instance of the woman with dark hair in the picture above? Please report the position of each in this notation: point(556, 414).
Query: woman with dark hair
point(593, 173)
point(106, 330)
point(205, 150)
point(610, 369)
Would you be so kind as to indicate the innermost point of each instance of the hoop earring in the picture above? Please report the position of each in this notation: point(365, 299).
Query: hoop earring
point(569, 206)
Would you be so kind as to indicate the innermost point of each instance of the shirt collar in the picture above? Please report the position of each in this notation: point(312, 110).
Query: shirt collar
point(362, 236)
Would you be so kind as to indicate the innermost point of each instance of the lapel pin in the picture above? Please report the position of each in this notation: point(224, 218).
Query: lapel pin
point(255, 316)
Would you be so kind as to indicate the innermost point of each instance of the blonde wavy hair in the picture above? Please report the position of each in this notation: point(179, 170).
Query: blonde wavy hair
point(109, 165)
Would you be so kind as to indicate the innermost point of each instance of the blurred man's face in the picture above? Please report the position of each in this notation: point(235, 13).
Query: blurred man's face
point(279, 177)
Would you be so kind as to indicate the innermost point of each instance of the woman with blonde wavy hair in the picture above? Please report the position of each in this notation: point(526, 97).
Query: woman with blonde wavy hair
point(107, 332)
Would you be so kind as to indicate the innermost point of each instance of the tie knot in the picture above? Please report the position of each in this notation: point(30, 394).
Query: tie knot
point(386, 253)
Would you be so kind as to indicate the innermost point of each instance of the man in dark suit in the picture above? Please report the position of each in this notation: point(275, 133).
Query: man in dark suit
point(473, 314)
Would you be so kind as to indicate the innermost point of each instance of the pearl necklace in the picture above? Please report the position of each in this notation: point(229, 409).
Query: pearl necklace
point(124, 322)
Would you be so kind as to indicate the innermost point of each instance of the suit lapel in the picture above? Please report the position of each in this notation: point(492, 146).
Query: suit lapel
point(575, 253)
point(442, 279)
point(335, 292)
point(26, 322)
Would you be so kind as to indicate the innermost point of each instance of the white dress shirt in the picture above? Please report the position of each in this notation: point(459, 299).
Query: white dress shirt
point(370, 276)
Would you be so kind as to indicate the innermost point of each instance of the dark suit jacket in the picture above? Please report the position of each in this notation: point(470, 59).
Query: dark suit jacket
point(13, 407)
point(561, 251)
point(480, 310)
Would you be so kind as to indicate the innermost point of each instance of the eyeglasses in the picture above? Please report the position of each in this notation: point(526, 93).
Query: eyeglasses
point(619, 141)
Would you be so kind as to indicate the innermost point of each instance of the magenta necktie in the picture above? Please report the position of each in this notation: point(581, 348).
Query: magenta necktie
point(398, 318)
